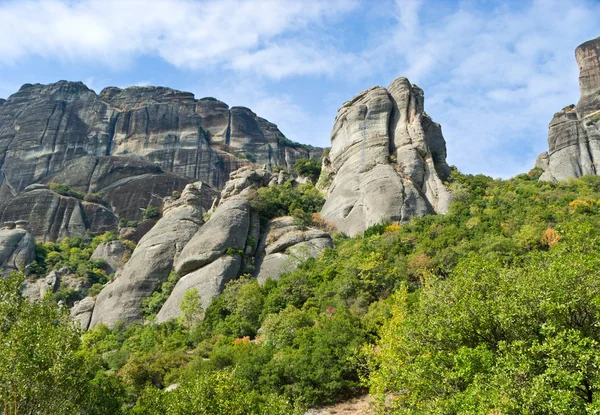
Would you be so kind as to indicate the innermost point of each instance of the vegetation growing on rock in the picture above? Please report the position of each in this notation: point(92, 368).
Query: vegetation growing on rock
point(490, 308)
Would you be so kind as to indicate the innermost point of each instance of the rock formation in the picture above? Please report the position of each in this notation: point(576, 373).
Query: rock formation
point(152, 259)
point(131, 146)
point(387, 160)
point(217, 252)
point(574, 132)
point(113, 254)
point(17, 247)
point(284, 245)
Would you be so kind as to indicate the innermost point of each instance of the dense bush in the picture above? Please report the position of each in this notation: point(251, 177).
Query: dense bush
point(275, 201)
point(489, 309)
point(308, 167)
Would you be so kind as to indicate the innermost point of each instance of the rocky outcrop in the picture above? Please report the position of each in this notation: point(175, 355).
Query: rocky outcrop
point(133, 146)
point(53, 217)
point(284, 245)
point(574, 132)
point(113, 254)
point(214, 255)
point(17, 247)
point(152, 260)
point(387, 160)
point(63, 278)
point(82, 311)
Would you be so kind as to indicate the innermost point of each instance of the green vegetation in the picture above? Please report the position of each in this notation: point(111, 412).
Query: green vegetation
point(150, 212)
point(42, 367)
point(308, 167)
point(593, 119)
point(74, 254)
point(275, 201)
point(65, 190)
point(490, 309)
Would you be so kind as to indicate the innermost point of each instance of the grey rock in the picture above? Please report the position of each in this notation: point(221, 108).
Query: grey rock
point(209, 280)
point(151, 261)
point(229, 225)
point(542, 161)
point(387, 160)
point(227, 228)
point(284, 245)
point(82, 311)
point(134, 146)
point(53, 217)
point(574, 132)
point(113, 255)
point(17, 248)
point(52, 281)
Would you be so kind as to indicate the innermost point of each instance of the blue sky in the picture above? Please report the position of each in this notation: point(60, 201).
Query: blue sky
point(494, 72)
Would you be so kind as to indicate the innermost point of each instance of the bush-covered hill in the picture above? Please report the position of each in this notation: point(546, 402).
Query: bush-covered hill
point(490, 309)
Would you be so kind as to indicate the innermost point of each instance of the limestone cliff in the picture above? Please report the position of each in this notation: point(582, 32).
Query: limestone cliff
point(387, 160)
point(574, 132)
point(132, 146)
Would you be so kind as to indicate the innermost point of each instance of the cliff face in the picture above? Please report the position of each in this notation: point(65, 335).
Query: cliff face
point(574, 132)
point(133, 146)
point(387, 160)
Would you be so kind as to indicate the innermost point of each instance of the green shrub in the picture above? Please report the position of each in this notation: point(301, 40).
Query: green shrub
point(64, 190)
point(150, 212)
point(308, 167)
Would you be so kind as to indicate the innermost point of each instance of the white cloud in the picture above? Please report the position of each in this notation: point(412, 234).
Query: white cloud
point(188, 34)
point(493, 74)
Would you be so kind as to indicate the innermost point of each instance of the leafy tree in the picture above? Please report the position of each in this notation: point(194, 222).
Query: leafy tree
point(191, 309)
point(41, 368)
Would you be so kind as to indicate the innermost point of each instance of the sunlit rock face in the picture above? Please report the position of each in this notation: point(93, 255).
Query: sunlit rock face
point(574, 132)
point(133, 146)
point(387, 160)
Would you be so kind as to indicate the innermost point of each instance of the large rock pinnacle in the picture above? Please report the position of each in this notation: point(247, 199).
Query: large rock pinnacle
point(387, 160)
point(574, 132)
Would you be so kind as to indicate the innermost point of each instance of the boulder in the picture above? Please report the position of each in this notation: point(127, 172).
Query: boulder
point(82, 311)
point(574, 132)
point(113, 255)
point(151, 261)
point(387, 160)
point(17, 248)
point(213, 256)
point(209, 280)
point(284, 245)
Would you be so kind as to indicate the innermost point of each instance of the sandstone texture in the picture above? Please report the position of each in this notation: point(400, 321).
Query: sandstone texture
point(152, 260)
point(387, 160)
point(574, 132)
point(17, 248)
point(132, 146)
point(82, 311)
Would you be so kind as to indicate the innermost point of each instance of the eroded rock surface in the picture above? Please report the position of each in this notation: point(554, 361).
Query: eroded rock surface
point(113, 255)
point(284, 245)
point(132, 146)
point(387, 160)
point(574, 132)
point(152, 260)
point(17, 247)
point(214, 255)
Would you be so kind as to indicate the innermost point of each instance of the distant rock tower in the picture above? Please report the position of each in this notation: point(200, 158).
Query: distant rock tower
point(574, 132)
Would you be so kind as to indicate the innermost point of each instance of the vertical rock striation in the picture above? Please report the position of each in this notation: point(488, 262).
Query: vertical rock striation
point(133, 146)
point(387, 160)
